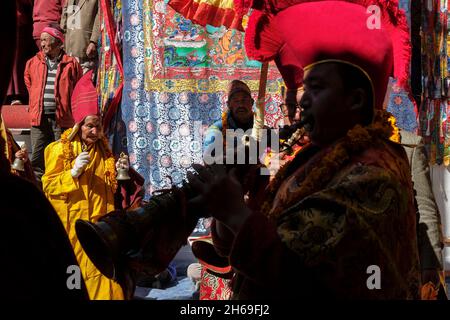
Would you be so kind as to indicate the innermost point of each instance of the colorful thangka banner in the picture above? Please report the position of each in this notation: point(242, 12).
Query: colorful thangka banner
point(175, 75)
point(401, 103)
point(182, 56)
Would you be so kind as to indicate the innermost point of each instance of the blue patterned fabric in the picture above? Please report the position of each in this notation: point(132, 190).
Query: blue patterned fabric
point(403, 109)
point(164, 130)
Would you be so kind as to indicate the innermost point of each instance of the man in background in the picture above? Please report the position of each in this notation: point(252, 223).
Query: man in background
point(50, 77)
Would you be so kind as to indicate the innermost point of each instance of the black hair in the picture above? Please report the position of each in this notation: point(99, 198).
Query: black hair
point(354, 78)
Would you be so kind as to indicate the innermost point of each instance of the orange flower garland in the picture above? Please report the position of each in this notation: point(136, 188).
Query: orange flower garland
point(67, 150)
point(356, 140)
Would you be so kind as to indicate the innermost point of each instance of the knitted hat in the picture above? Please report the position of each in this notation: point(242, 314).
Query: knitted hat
point(55, 33)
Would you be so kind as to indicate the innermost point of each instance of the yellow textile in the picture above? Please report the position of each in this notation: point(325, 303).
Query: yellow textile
point(88, 197)
point(222, 4)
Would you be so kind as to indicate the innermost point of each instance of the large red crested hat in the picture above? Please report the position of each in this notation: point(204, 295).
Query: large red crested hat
point(299, 34)
point(84, 102)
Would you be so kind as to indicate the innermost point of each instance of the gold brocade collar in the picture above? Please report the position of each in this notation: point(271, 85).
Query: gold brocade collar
point(357, 139)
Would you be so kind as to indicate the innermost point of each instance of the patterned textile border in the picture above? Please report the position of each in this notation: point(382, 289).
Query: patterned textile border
point(165, 124)
point(176, 48)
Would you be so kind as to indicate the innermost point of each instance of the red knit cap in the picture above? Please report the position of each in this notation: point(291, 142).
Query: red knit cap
point(84, 98)
point(300, 35)
point(55, 33)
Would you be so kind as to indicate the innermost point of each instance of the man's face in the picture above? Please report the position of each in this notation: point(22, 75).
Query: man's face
point(326, 105)
point(240, 105)
point(49, 45)
point(91, 130)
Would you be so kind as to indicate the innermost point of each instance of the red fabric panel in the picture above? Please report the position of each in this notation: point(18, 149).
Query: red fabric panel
point(203, 14)
point(16, 117)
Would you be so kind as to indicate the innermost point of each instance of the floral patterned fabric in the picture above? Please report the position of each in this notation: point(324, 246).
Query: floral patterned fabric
point(435, 107)
point(213, 287)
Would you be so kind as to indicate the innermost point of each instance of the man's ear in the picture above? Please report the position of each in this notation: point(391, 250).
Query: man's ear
point(358, 99)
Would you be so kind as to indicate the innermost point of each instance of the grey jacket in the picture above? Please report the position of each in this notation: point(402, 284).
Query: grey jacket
point(80, 20)
point(429, 231)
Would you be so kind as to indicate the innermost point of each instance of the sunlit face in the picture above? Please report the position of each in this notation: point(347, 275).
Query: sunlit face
point(240, 105)
point(50, 46)
point(91, 130)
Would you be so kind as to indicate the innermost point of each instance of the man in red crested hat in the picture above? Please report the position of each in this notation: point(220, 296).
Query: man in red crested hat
point(50, 77)
point(80, 181)
point(338, 221)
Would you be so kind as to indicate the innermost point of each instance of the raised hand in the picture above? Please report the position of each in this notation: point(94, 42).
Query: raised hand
point(80, 164)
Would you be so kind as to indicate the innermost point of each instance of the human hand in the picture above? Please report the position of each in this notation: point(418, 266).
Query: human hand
point(22, 154)
point(80, 164)
point(219, 194)
point(91, 50)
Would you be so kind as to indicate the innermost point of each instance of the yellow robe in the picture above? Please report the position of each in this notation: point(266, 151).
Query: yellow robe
point(88, 197)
